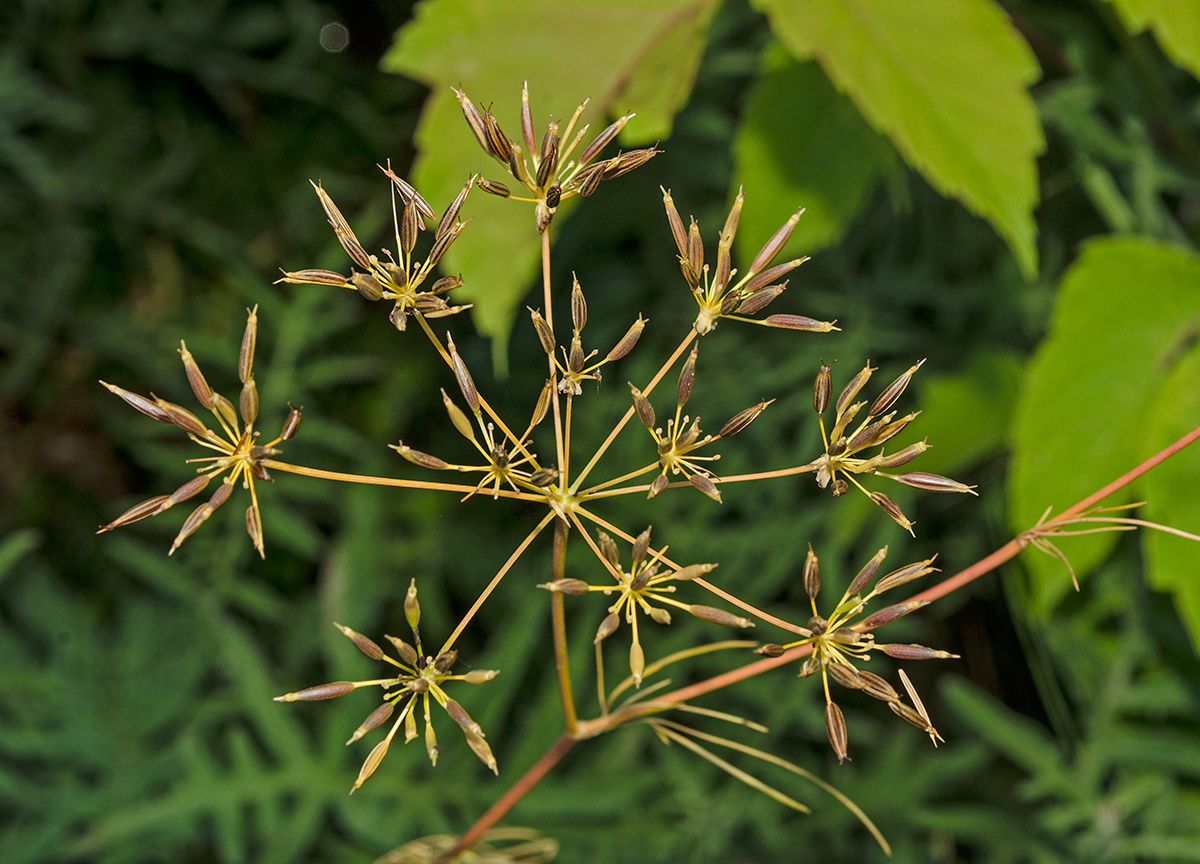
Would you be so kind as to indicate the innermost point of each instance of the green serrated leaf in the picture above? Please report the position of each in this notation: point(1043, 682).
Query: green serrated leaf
point(1171, 492)
point(1126, 308)
point(803, 144)
point(609, 51)
point(1176, 26)
point(946, 80)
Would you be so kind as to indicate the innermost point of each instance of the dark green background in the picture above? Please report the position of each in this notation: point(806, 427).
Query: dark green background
point(154, 168)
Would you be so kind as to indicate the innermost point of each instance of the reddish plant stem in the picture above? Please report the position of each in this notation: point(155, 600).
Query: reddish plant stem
point(589, 728)
point(510, 798)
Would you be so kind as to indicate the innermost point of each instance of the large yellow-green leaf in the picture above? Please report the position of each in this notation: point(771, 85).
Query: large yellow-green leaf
point(1176, 25)
point(946, 80)
point(803, 144)
point(1090, 407)
point(610, 51)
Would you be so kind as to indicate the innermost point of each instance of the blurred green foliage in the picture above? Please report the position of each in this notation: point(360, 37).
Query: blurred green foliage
point(154, 168)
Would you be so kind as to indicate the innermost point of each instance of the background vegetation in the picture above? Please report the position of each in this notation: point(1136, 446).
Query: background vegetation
point(1012, 192)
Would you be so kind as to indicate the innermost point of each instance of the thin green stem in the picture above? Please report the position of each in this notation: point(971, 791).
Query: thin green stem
point(371, 480)
point(558, 569)
point(547, 299)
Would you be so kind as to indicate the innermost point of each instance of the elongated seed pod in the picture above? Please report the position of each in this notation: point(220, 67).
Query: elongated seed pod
point(890, 614)
point(876, 687)
point(480, 676)
point(361, 642)
point(493, 187)
point(719, 616)
point(760, 299)
point(474, 120)
point(418, 458)
point(889, 507)
point(149, 507)
point(705, 484)
point(867, 573)
point(693, 571)
point(527, 121)
point(845, 674)
point(321, 691)
point(498, 142)
point(141, 403)
point(254, 529)
point(412, 607)
point(565, 586)
point(770, 649)
point(578, 305)
point(372, 762)
point(608, 548)
point(248, 403)
point(799, 322)
point(902, 457)
point(459, 418)
point(600, 141)
point(657, 485)
point(451, 214)
point(314, 277)
point(204, 393)
point(821, 388)
point(771, 248)
point(548, 160)
point(678, 232)
point(374, 720)
point(687, 378)
point(742, 419)
point(835, 727)
point(645, 411)
point(915, 652)
point(641, 546)
point(905, 574)
point(543, 404)
point(292, 424)
point(852, 388)
point(366, 285)
point(892, 392)
point(342, 229)
point(465, 382)
point(769, 275)
point(610, 623)
point(932, 482)
point(812, 574)
point(629, 340)
point(181, 417)
point(406, 652)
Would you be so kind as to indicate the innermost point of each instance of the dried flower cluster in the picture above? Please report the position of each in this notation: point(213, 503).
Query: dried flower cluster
point(844, 638)
point(510, 467)
point(240, 456)
point(419, 680)
point(880, 425)
point(547, 170)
